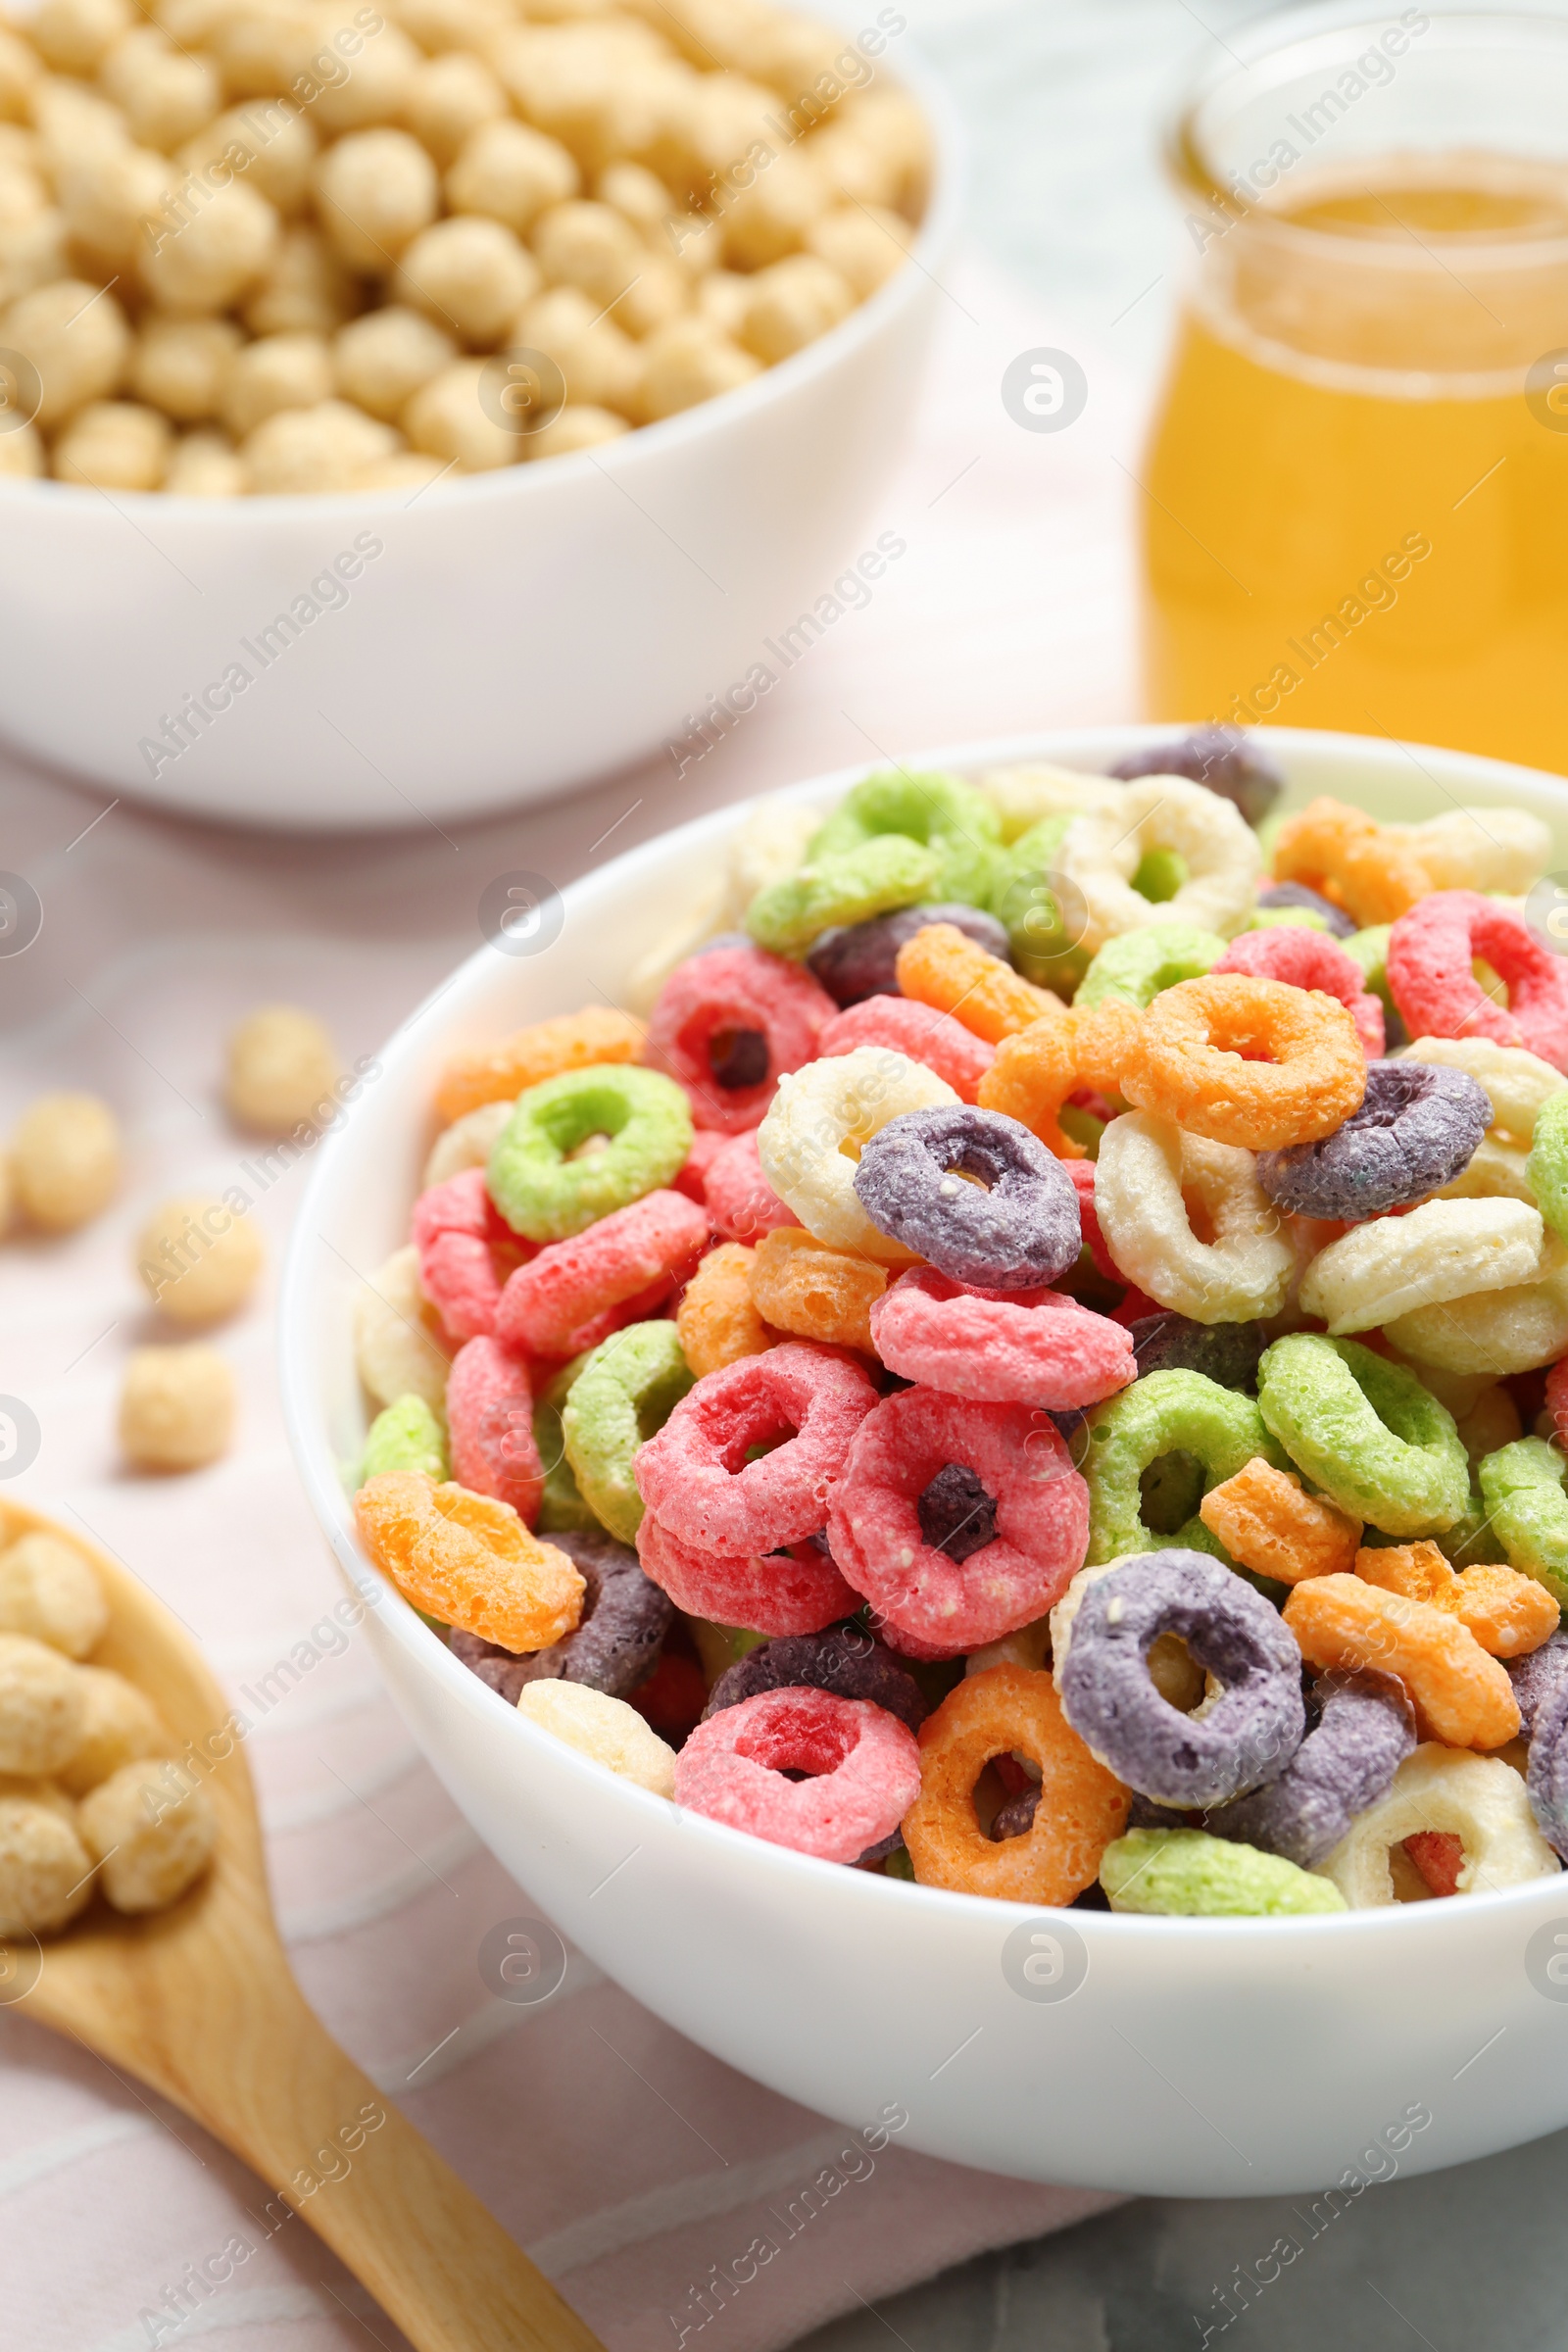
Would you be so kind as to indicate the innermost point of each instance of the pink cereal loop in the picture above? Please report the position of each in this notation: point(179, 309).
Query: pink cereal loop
point(626, 1254)
point(942, 1044)
point(1557, 1399)
point(490, 1423)
point(865, 1766)
point(1019, 1347)
point(740, 1202)
point(455, 1228)
point(1430, 952)
point(798, 1590)
point(695, 1478)
point(726, 989)
point(692, 1178)
point(1307, 959)
point(1042, 1518)
point(1082, 1172)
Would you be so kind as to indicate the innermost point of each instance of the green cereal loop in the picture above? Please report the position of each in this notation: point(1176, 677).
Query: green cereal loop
point(562, 1508)
point(1546, 1167)
point(547, 1195)
point(1164, 1412)
point(1369, 951)
point(941, 813)
point(405, 1436)
point(1040, 929)
point(1135, 967)
point(1521, 1486)
point(1366, 1433)
point(1274, 918)
point(627, 1390)
point(883, 874)
point(1189, 1873)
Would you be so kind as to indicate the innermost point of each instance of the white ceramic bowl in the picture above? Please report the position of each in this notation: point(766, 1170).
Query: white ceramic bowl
point(1186, 2057)
point(518, 631)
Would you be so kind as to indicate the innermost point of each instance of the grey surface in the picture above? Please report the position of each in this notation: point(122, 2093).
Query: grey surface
point(1064, 101)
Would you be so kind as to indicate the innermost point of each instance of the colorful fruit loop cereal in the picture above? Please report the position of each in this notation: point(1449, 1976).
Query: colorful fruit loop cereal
point(1040, 1504)
point(1001, 1347)
point(862, 1764)
point(728, 1023)
point(813, 1294)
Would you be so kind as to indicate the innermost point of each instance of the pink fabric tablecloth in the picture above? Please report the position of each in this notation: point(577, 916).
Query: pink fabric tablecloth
point(624, 2158)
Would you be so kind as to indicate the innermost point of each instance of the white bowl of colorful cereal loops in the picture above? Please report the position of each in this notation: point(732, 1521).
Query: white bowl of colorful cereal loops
point(412, 410)
point(1061, 1665)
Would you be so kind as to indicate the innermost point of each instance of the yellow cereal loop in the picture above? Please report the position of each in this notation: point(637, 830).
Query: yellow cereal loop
point(1146, 1174)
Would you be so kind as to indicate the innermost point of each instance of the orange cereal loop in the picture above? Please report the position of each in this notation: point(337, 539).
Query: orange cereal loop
point(716, 1322)
point(1507, 1613)
point(1461, 1696)
point(800, 1284)
point(1081, 1806)
point(576, 1041)
point(469, 1561)
point(1247, 1061)
point(1036, 1071)
point(942, 967)
point(1340, 852)
point(1267, 1523)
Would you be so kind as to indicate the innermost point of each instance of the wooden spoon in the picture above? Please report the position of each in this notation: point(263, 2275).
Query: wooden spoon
point(199, 2002)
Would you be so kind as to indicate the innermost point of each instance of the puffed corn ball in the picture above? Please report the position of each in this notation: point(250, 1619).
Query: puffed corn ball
point(44, 1709)
point(176, 1408)
point(50, 1592)
point(151, 1828)
point(283, 1070)
point(64, 1161)
point(198, 1259)
point(45, 1870)
point(297, 225)
point(121, 1725)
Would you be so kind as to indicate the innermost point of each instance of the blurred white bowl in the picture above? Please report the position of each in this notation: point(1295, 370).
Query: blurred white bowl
point(518, 631)
point(1175, 2056)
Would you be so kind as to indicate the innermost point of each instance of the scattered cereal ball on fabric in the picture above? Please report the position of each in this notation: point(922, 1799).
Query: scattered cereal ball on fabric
point(512, 174)
point(78, 344)
point(470, 273)
point(448, 99)
point(319, 448)
point(50, 1592)
point(381, 359)
point(307, 291)
point(372, 86)
point(600, 365)
point(167, 93)
point(217, 256)
point(198, 1259)
point(575, 428)
point(116, 444)
point(205, 465)
point(397, 1335)
point(283, 1070)
point(176, 1408)
point(19, 75)
point(276, 372)
point(447, 418)
point(44, 1709)
point(374, 191)
point(151, 1828)
point(274, 145)
point(689, 363)
point(76, 35)
point(108, 196)
point(64, 1161)
point(121, 1725)
point(791, 303)
point(865, 246)
point(45, 1870)
point(603, 1728)
point(181, 364)
point(22, 459)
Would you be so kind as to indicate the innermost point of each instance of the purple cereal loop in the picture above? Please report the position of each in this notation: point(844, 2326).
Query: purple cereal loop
point(860, 960)
point(1228, 1353)
point(844, 1659)
point(1017, 1234)
point(1364, 1732)
point(626, 1618)
point(1418, 1126)
point(1296, 894)
point(1541, 1685)
point(1249, 1732)
point(1222, 759)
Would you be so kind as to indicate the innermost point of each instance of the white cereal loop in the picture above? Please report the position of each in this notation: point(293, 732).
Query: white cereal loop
point(466, 1144)
point(1146, 1167)
point(820, 1119)
point(395, 1335)
point(1477, 1799)
point(1026, 796)
point(1223, 859)
point(1445, 1250)
point(1480, 849)
point(1496, 1332)
point(603, 1728)
point(1516, 1084)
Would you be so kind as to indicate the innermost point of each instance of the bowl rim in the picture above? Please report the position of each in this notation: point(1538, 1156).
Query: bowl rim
point(321, 1474)
point(645, 444)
